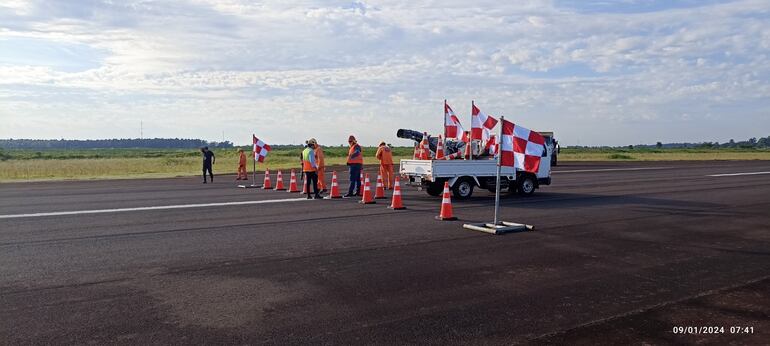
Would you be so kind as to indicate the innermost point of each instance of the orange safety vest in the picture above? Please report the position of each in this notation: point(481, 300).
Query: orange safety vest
point(358, 159)
point(385, 155)
point(242, 160)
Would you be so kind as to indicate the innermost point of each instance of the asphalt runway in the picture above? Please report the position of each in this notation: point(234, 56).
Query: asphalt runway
point(623, 253)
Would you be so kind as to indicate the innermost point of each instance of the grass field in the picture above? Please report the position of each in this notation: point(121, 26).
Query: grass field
point(605, 154)
point(21, 165)
point(29, 165)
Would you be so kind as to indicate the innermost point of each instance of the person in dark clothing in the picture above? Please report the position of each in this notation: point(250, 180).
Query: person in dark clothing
point(208, 161)
point(310, 168)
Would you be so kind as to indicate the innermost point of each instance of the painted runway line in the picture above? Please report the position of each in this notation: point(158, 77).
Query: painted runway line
point(612, 170)
point(162, 207)
point(736, 174)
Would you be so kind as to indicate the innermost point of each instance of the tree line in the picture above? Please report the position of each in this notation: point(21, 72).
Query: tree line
point(762, 142)
point(751, 143)
point(123, 143)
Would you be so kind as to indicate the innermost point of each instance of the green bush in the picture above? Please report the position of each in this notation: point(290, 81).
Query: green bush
point(3, 155)
point(620, 157)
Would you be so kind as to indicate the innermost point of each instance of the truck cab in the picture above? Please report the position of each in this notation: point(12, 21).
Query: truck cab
point(552, 145)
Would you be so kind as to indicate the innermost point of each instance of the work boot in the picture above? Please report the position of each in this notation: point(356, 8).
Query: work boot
point(309, 196)
point(347, 195)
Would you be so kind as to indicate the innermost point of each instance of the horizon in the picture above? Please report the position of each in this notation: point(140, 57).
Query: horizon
point(740, 140)
point(594, 72)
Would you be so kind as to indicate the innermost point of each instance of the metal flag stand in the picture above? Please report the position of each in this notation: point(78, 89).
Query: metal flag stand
point(499, 227)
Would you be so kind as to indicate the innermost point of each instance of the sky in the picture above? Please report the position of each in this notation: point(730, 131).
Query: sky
point(594, 72)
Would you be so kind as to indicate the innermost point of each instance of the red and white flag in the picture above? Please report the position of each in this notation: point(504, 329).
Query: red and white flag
point(492, 148)
point(260, 149)
point(452, 124)
point(479, 122)
point(521, 148)
point(466, 137)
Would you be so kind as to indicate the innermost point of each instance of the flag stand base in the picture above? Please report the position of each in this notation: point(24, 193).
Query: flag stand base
point(250, 186)
point(501, 227)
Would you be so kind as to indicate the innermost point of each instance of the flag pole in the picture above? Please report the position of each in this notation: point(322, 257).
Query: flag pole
point(444, 119)
point(499, 168)
point(470, 137)
point(254, 171)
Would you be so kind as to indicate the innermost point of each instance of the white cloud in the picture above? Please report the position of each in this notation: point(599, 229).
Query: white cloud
point(372, 67)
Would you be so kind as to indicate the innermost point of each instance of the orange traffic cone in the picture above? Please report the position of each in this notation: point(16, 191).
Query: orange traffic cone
point(367, 197)
point(335, 193)
point(424, 148)
point(293, 182)
point(379, 192)
point(446, 206)
point(452, 156)
point(440, 148)
point(361, 186)
point(396, 204)
point(279, 182)
point(304, 184)
point(267, 185)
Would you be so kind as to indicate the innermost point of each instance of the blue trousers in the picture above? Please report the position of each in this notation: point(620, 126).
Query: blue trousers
point(355, 179)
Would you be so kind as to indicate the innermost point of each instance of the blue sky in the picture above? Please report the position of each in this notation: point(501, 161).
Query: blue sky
point(595, 72)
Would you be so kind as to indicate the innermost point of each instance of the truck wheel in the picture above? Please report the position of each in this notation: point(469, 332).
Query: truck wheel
point(435, 188)
point(526, 185)
point(463, 188)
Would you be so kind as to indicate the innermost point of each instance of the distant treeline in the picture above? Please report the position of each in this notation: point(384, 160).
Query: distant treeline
point(761, 143)
point(123, 143)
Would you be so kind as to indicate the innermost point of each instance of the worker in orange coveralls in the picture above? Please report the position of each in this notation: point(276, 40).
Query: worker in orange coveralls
point(385, 156)
point(242, 175)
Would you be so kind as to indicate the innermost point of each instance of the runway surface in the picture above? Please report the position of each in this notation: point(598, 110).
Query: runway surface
point(622, 253)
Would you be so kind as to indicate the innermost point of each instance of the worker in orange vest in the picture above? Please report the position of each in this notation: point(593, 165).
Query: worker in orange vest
point(242, 175)
point(385, 155)
point(319, 158)
point(356, 164)
point(310, 168)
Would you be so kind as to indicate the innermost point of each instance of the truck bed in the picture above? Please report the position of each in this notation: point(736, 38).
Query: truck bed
point(432, 169)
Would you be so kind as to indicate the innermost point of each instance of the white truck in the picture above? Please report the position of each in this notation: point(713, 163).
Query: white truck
point(465, 175)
